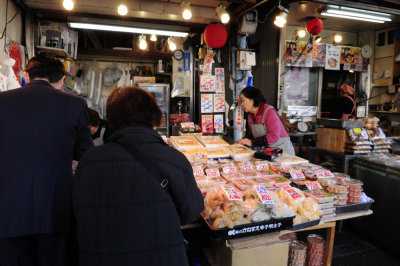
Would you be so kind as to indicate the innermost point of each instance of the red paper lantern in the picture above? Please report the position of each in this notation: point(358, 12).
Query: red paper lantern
point(314, 26)
point(215, 35)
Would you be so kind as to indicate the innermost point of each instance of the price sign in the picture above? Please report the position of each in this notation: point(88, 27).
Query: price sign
point(198, 171)
point(313, 185)
point(292, 193)
point(297, 174)
point(231, 193)
point(263, 194)
point(228, 168)
point(212, 172)
point(262, 165)
point(357, 130)
point(200, 156)
point(246, 166)
point(187, 125)
point(323, 173)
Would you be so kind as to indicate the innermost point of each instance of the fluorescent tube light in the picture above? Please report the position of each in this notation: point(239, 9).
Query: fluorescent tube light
point(91, 26)
point(356, 14)
point(348, 17)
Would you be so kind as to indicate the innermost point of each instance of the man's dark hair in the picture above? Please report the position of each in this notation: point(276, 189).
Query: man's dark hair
point(47, 66)
point(254, 94)
point(131, 106)
point(94, 118)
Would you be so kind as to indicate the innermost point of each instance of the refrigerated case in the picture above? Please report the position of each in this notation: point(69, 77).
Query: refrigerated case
point(161, 93)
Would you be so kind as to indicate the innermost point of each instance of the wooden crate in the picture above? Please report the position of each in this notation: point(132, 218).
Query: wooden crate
point(331, 139)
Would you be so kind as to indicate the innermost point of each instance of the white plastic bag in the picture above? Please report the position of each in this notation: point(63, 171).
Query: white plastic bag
point(178, 88)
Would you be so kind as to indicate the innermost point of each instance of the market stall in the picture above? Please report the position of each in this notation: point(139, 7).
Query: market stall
point(249, 199)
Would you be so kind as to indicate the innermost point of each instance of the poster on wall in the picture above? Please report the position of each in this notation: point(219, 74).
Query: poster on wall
point(219, 102)
point(207, 125)
point(298, 54)
point(220, 80)
point(239, 117)
point(219, 123)
point(206, 103)
point(332, 59)
point(296, 83)
point(208, 60)
point(207, 83)
point(349, 55)
point(319, 54)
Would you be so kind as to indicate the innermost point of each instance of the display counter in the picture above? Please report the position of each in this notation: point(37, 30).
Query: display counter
point(381, 177)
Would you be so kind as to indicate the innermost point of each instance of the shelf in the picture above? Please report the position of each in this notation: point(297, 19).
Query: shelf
point(55, 51)
point(385, 112)
point(122, 55)
point(163, 73)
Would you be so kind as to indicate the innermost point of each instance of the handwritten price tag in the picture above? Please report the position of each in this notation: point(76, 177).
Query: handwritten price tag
point(323, 173)
point(313, 185)
point(262, 165)
point(187, 125)
point(246, 166)
point(198, 171)
point(263, 194)
point(292, 193)
point(297, 174)
point(228, 168)
point(231, 193)
point(200, 156)
point(212, 172)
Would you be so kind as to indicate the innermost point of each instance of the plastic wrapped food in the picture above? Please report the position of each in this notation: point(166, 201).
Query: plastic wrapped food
point(355, 185)
point(325, 182)
point(340, 202)
point(212, 141)
point(351, 200)
point(327, 205)
point(267, 182)
point(281, 181)
point(282, 210)
point(341, 196)
point(375, 134)
point(337, 188)
point(206, 186)
point(232, 176)
point(357, 134)
point(223, 207)
point(239, 152)
point(243, 183)
point(328, 211)
point(321, 196)
point(355, 193)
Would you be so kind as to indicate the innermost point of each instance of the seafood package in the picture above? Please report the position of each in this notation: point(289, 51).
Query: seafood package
point(185, 142)
point(212, 141)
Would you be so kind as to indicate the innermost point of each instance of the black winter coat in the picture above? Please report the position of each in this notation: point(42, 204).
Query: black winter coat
point(124, 216)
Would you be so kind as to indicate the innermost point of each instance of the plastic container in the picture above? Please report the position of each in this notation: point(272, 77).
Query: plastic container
point(328, 211)
point(337, 188)
point(341, 196)
point(266, 182)
point(321, 196)
point(326, 181)
point(351, 200)
point(327, 217)
point(298, 252)
point(315, 247)
point(281, 181)
point(355, 193)
point(355, 185)
point(340, 202)
point(328, 205)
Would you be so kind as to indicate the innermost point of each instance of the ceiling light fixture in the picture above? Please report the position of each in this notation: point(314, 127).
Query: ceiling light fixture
point(222, 14)
point(153, 38)
point(356, 14)
point(142, 42)
point(318, 39)
point(337, 38)
point(280, 19)
point(186, 11)
point(68, 4)
point(92, 26)
point(171, 44)
point(301, 33)
point(122, 8)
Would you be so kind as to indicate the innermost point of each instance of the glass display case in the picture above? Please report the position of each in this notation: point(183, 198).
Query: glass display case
point(161, 93)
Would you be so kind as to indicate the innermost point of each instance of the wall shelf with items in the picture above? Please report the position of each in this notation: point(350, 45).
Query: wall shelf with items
point(55, 51)
point(122, 55)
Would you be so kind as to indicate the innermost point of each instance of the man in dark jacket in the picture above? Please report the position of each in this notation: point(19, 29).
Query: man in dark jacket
point(42, 129)
point(124, 215)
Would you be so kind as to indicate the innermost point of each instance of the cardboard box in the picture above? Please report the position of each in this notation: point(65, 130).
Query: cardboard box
point(265, 250)
point(331, 139)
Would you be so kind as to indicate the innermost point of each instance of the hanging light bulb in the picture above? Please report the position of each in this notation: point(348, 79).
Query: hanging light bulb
point(280, 19)
point(337, 38)
point(153, 38)
point(142, 42)
point(318, 39)
point(68, 4)
point(122, 8)
point(171, 44)
point(222, 14)
point(301, 33)
point(186, 12)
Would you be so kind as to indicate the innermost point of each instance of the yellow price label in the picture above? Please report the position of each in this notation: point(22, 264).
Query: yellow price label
point(357, 130)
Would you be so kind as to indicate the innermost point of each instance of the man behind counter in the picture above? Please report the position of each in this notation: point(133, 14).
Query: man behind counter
point(42, 130)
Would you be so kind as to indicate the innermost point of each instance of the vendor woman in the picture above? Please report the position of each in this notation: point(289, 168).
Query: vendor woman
point(265, 126)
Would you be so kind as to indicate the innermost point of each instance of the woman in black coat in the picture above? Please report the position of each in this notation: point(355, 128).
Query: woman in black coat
point(124, 215)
